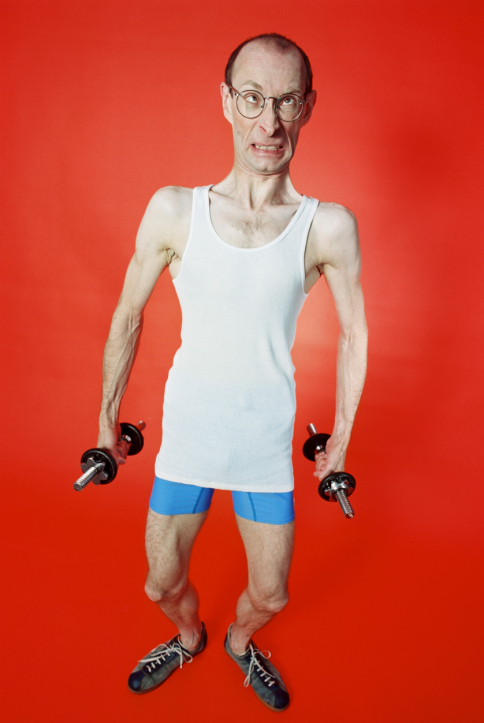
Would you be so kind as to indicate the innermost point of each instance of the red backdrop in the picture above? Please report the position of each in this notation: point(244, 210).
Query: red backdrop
point(106, 101)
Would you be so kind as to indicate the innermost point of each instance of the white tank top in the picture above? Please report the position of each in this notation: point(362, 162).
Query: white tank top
point(229, 404)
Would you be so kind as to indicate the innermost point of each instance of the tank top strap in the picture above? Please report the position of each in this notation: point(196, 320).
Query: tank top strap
point(305, 222)
point(306, 217)
point(197, 224)
point(198, 208)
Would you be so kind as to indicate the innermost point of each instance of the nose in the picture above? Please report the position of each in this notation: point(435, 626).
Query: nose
point(269, 120)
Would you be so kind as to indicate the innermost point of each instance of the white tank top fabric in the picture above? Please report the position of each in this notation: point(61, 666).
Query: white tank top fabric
point(229, 405)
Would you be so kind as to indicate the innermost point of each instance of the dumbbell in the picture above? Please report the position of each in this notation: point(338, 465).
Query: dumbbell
point(100, 466)
point(337, 485)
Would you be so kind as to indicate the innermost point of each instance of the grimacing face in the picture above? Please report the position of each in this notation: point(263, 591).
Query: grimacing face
point(265, 145)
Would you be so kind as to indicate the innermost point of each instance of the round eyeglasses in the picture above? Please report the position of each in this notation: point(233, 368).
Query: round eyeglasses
point(251, 103)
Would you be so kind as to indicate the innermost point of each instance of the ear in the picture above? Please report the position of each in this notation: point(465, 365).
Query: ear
point(308, 107)
point(226, 101)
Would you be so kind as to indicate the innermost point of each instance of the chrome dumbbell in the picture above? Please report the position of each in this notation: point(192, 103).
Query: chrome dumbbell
point(99, 466)
point(337, 486)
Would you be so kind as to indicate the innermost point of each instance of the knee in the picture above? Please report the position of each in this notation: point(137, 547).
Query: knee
point(269, 601)
point(160, 591)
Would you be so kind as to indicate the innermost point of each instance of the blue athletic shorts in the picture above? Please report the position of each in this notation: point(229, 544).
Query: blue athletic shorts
point(174, 498)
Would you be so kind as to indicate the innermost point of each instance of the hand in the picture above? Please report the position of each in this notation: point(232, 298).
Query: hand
point(332, 460)
point(110, 440)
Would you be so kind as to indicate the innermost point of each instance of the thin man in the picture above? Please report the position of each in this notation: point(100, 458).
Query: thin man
point(243, 254)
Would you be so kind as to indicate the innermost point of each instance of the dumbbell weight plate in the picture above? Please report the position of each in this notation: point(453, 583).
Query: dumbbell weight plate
point(312, 442)
point(99, 455)
point(342, 480)
point(136, 437)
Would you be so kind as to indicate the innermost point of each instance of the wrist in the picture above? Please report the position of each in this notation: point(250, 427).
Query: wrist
point(337, 446)
point(341, 433)
point(108, 419)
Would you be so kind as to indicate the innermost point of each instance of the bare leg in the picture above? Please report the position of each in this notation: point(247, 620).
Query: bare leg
point(169, 543)
point(269, 553)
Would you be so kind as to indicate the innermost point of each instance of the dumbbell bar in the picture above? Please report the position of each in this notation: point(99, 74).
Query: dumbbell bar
point(337, 485)
point(100, 466)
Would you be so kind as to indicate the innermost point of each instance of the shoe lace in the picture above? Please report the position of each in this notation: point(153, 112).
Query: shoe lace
point(164, 652)
point(257, 666)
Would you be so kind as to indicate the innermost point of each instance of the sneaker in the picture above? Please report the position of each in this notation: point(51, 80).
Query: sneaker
point(265, 680)
point(161, 662)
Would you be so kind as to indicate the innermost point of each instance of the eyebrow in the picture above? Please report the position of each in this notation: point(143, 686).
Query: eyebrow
point(259, 87)
point(252, 82)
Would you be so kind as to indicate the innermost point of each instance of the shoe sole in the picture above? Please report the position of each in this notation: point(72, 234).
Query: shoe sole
point(276, 710)
point(149, 690)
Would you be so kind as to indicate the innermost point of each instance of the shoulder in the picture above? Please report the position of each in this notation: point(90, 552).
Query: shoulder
point(166, 219)
point(334, 220)
point(334, 234)
point(171, 201)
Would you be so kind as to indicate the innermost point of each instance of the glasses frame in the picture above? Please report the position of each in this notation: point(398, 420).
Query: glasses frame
point(238, 95)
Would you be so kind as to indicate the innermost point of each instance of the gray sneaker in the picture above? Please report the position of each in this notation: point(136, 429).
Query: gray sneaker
point(161, 662)
point(264, 678)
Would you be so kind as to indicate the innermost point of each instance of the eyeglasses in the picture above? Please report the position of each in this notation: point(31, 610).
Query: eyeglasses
point(251, 104)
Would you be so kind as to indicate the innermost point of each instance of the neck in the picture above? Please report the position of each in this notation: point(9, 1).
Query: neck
point(255, 190)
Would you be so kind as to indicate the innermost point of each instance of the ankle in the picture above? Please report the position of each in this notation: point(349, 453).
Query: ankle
point(239, 644)
point(191, 639)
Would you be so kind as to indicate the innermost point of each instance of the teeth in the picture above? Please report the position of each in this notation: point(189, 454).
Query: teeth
point(267, 148)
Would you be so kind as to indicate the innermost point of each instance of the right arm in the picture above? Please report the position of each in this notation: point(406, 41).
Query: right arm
point(151, 257)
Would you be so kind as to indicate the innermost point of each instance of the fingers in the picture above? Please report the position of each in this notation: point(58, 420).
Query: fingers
point(121, 451)
point(113, 443)
point(326, 465)
point(321, 460)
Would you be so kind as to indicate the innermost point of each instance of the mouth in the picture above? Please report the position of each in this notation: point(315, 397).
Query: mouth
point(275, 148)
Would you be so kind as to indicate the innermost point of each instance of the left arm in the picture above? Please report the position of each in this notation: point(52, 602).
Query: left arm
point(339, 251)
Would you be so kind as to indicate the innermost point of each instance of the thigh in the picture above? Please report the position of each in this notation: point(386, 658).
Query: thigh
point(177, 512)
point(169, 543)
point(269, 551)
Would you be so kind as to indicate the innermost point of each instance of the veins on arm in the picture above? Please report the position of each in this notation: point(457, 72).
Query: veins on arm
point(338, 257)
point(151, 257)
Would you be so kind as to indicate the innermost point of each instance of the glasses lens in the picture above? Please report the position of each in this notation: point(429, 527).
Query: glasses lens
point(250, 103)
point(289, 107)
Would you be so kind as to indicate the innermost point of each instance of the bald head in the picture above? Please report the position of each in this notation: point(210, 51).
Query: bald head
point(277, 43)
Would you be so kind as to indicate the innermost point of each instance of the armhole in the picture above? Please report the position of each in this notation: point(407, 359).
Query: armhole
point(311, 213)
point(196, 191)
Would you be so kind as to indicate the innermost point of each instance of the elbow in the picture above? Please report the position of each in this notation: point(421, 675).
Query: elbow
point(354, 340)
point(357, 332)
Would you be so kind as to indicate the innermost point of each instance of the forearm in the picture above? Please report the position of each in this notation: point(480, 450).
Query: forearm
point(119, 355)
point(350, 379)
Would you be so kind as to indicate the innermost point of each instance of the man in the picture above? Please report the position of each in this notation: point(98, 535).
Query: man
point(243, 255)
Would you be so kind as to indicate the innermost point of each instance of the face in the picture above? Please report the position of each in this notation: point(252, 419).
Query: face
point(266, 144)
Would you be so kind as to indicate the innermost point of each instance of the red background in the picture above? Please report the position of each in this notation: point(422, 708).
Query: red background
point(106, 101)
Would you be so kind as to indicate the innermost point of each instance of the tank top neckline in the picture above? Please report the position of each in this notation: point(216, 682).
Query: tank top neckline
point(206, 203)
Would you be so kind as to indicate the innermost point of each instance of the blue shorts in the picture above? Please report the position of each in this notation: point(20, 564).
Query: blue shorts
point(174, 498)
